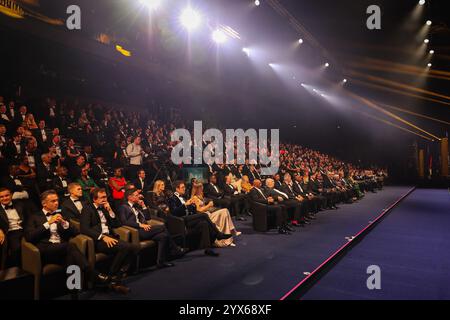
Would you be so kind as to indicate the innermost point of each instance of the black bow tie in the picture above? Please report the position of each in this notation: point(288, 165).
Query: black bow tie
point(76, 200)
point(9, 207)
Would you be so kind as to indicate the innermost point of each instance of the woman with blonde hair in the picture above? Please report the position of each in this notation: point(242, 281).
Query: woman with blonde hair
point(220, 217)
point(29, 122)
point(158, 198)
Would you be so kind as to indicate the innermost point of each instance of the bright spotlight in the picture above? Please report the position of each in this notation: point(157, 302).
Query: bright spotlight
point(345, 80)
point(426, 40)
point(429, 22)
point(247, 51)
point(315, 90)
point(190, 19)
point(429, 65)
point(322, 95)
point(431, 51)
point(219, 36)
point(257, 2)
point(422, 2)
point(302, 84)
point(300, 41)
point(151, 4)
point(327, 64)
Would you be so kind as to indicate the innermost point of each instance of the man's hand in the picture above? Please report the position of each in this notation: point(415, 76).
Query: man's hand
point(107, 206)
point(2, 236)
point(110, 242)
point(280, 199)
point(54, 219)
point(144, 226)
point(270, 200)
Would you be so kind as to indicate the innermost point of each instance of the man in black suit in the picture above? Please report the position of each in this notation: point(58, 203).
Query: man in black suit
point(213, 192)
point(307, 206)
point(141, 183)
point(12, 183)
point(302, 187)
point(198, 223)
point(61, 182)
point(45, 172)
point(278, 183)
point(98, 221)
point(98, 172)
point(43, 136)
point(12, 216)
point(288, 201)
point(50, 233)
point(237, 200)
point(260, 195)
point(72, 207)
point(134, 213)
point(15, 148)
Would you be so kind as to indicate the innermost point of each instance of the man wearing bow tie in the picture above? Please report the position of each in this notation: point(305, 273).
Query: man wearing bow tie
point(72, 207)
point(50, 233)
point(135, 214)
point(12, 215)
point(238, 203)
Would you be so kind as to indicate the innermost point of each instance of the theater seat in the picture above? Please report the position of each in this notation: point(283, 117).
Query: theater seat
point(262, 222)
point(31, 262)
point(177, 228)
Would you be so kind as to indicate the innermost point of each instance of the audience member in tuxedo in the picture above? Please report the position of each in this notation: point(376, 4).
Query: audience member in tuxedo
point(27, 175)
point(75, 169)
point(98, 221)
point(15, 148)
point(14, 184)
point(134, 213)
point(21, 117)
point(197, 223)
point(3, 137)
point(141, 183)
point(308, 206)
point(98, 172)
point(219, 216)
point(237, 200)
point(86, 183)
point(302, 188)
point(278, 183)
point(32, 152)
point(213, 192)
point(158, 198)
point(260, 195)
point(45, 172)
point(12, 217)
point(87, 154)
point(12, 110)
point(43, 136)
point(61, 182)
point(5, 117)
point(50, 233)
point(72, 206)
point(287, 200)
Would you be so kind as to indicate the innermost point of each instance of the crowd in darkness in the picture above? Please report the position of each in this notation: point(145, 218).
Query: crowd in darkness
point(69, 168)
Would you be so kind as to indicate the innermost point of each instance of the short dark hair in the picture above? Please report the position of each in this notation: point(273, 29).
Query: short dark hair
point(96, 191)
point(178, 183)
point(129, 192)
point(3, 189)
point(45, 194)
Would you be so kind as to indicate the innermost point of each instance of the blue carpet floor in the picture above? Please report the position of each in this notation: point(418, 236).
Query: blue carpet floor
point(412, 248)
point(262, 266)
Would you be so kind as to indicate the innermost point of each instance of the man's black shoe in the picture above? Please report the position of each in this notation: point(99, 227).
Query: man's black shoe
point(212, 253)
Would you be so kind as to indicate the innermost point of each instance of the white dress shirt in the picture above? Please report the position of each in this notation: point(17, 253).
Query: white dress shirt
point(15, 223)
point(54, 235)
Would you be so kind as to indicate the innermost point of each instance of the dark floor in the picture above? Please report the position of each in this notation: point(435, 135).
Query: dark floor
point(262, 266)
point(412, 248)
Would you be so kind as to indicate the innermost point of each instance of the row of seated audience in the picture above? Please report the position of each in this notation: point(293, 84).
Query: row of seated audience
point(89, 174)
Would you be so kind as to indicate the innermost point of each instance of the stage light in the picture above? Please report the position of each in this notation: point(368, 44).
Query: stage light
point(426, 40)
point(247, 51)
point(219, 36)
point(151, 4)
point(300, 41)
point(322, 95)
point(302, 84)
point(429, 23)
point(327, 65)
point(345, 80)
point(257, 2)
point(431, 51)
point(429, 65)
point(422, 2)
point(190, 19)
